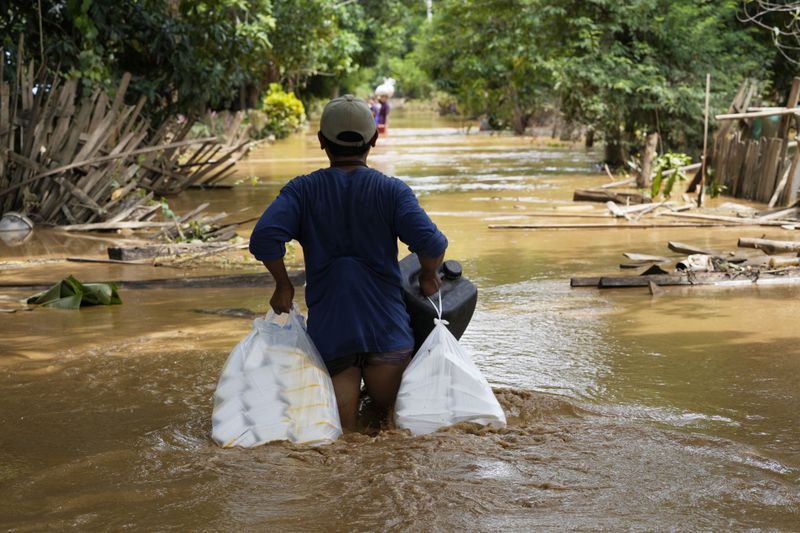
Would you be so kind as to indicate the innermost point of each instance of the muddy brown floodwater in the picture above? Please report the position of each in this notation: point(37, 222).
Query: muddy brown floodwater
point(626, 412)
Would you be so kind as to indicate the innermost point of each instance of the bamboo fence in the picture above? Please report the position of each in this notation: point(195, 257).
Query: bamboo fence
point(72, 159)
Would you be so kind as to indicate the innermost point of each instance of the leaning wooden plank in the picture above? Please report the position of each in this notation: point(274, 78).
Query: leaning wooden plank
point(749, 167)
point(84, 200)
point(119, 96)
point(769, 246)
point(781, 183)
point(769, 170)
point(228, 171)
point(688, 249)
point(132, 121)
point(735, 165)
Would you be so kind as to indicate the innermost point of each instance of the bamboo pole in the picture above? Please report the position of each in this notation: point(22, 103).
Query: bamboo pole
point(703, 170)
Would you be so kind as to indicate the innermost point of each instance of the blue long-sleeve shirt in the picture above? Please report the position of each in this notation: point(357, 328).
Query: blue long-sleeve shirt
point(348, 223)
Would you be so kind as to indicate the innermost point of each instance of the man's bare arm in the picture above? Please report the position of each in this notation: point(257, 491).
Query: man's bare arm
point(283, 295)
point(429, 281)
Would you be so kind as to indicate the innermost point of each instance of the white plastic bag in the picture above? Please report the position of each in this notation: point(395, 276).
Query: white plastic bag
point(442, 386)
point(274, 386)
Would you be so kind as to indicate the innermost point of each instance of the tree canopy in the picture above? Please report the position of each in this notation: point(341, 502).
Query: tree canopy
point(620, 68)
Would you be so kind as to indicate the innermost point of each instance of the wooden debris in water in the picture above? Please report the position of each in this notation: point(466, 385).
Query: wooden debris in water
point(645, 258)
point(655, 290)
point(769, 246)
point(757, 168)
point(595, 195)
point(72, 160)
point(687, 249)
point(709, 269)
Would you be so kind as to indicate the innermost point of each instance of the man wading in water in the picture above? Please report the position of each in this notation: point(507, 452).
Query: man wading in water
point(347, 218)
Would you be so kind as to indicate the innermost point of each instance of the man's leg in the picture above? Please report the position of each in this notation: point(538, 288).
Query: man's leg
point(347, 386)
point(382, 382)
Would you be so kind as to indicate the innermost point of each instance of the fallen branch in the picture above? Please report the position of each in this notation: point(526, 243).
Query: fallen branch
point(770, 247)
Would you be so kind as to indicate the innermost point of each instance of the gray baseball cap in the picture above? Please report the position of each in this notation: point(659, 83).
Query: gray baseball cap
point(347, 114)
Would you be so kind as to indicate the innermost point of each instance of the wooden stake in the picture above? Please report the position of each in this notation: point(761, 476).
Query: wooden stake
point(705, 146)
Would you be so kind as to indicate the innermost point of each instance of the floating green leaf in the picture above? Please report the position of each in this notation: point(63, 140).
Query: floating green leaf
point(70, 293)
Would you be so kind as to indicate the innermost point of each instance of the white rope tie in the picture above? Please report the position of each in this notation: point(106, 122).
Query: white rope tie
point(439, 319)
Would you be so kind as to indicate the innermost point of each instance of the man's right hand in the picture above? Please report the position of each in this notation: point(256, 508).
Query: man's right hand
point(282, 298)
point(429, 283)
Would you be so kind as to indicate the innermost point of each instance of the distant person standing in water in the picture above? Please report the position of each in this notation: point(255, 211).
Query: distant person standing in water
point(347, 218)
point(384, 91)
point(383, 113)
point(374, 107)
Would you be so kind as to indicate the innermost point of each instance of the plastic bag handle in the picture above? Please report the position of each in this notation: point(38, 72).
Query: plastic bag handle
point(294, 317)
point(438, 309)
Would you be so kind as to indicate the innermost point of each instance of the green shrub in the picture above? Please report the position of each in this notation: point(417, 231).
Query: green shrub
point(285, 112)
point(668, 162)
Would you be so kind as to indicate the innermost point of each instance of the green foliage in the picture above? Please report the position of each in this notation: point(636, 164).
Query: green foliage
point(622, 69)
point(668, 162)
point(640, 66)
point(285, 112)
point(388, 33)
point(310, 40)
point(713, 187)
point(166, 210)
point(492, 57)
point(183, 54)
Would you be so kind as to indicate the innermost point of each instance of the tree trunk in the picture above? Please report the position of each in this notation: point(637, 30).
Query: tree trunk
point(645, 176)
point(614, 151)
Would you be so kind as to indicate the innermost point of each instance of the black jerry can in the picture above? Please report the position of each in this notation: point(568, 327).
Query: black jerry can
point(459, 297)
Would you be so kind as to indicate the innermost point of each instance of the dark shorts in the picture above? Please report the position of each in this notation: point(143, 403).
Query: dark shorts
point(361, 360)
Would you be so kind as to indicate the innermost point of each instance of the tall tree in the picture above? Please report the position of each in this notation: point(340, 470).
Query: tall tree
point(636, 67)
point(492, 57)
